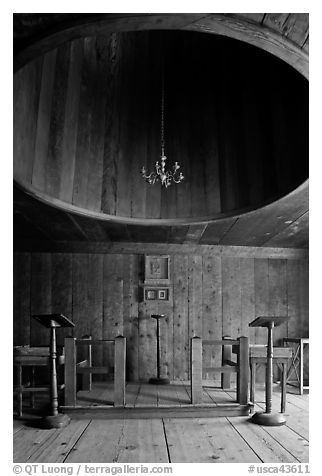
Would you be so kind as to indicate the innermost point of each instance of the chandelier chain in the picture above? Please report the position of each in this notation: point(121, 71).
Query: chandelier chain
point(162, 115)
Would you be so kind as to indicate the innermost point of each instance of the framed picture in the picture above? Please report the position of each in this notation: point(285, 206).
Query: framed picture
point(163, 294)
point(150, 294)
point(157, 269)
point(155, 294)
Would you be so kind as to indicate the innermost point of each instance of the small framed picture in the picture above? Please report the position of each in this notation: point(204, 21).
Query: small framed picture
point(150, 294)
point(163, 294)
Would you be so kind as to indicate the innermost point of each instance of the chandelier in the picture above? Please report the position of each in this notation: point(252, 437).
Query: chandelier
point(160, 174)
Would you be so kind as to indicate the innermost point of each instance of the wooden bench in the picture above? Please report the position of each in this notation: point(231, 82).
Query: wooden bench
point(32, 357)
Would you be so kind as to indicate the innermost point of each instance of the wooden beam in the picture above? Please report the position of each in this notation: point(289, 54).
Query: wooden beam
point(159, 248)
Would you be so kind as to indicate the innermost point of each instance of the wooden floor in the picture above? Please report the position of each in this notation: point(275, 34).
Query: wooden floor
point(141, 394)
point(174, 440)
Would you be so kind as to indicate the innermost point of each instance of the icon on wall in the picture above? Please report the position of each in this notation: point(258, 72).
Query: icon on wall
point(157, 269)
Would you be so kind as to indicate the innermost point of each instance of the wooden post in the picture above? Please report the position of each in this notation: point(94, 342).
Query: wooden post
point(53, 370)
point(70, 371)
point(87, 377)
point(283, 387)
point(243, 371)
point(226, 355)
point(269, 368)
point(119, 371)
point(196, 370)
point(301, 366)
point(252, 381)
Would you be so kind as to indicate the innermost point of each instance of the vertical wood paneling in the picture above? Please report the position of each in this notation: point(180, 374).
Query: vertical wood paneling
point(41, 295)
point(153, 193)
point(277, 304)
point(43, 120)
point(99, 65)
point(212, 296)
point(195, 296)
point(61, 290)
point(94, 277)
point(53, 168)
point(147, 340)
point(166, 336)
point(212, 310)
point(180, 318)
point(261, 297)
point(112, 132)
point(127, 85)
point(130, 316)
point(297, 298)
point(137, 145)
point(112, 303)
point(231, 297)
point(26, 91)
point(247, 285)
point(21, 298)
point(71, 121)
point(83, 151)
point(81, 314)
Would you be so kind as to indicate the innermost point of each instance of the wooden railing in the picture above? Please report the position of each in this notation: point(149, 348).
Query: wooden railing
point(241, 367)
point(85, 367)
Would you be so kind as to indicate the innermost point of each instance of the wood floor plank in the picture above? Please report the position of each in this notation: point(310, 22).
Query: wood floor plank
point(102, 393)
point(131, 393)
point(297, 421)
point(142, 441)
point(99, 443)
point(217, 395)
point(292, 404)
point(263, 444)
point(206, 441)
point(27, 441)
point(289, 439)
point(167, 395)
point(17, 426)
point(148, 395)
point(56, 448)
point(182, 393)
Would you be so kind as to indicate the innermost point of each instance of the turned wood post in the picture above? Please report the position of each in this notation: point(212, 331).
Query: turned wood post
point(53, 371)
point(243, 371)
point(269, 367)
point(226, 355)
point(196, 370)
point(70, 371)
point(119, 371)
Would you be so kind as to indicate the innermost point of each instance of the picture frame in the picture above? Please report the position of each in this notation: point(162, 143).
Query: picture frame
point(157, 269)
point(163, 294)
point(150, 294)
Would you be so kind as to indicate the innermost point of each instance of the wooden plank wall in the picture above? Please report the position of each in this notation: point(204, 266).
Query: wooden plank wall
point(210, 296)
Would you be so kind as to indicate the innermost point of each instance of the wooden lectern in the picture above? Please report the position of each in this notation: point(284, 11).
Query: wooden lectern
point(53, 321)
point(268, 418)
point(158, 380)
